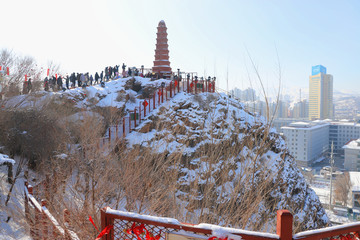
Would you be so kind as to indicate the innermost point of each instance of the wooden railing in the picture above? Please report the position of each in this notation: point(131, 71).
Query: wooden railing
point(42, 223)
point(125, 225)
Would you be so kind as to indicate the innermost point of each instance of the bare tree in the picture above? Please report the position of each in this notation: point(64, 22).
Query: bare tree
point(53, 67)
point(19, 67)
point(342, 188)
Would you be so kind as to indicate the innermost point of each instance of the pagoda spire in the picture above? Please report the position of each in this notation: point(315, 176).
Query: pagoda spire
point(161, 63)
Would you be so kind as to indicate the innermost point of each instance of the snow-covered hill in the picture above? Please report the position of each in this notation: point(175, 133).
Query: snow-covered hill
point(218, 138)
point(234, 170)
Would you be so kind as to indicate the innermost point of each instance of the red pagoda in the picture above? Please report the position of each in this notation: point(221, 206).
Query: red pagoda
point(162, 63)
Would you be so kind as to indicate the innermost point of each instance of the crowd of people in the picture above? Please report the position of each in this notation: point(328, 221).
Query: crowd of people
point(56, 83)
point(59, 82)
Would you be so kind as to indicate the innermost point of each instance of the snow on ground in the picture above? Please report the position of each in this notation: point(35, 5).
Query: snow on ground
point(14, 227)
point(5, 159)
point(81, 97)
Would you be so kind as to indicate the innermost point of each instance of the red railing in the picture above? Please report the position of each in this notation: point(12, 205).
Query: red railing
point(42, 223)
point(161, 94)
point(125, 225)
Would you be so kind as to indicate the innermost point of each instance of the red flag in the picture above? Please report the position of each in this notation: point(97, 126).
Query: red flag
point(176, 83)
point(91, 220)
point(104, 232)
point(25, 77)
point(145, 103)
point(8, 71)
point(48, 71)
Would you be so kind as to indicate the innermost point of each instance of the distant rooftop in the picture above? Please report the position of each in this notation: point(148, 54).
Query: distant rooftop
point(306, 125)
point(355, 144)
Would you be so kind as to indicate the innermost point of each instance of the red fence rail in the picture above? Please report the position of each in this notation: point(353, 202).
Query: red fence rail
point(126, 225)
point(160, 95)
point(42, 224)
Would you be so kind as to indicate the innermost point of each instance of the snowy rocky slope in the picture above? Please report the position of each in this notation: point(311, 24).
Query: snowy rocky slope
point(242, 156)
point(234, 170)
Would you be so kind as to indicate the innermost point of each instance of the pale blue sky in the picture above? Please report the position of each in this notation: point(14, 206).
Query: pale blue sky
point(205, 36)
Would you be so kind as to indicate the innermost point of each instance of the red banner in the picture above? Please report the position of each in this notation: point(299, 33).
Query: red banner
point(104, 232)
point(145, 103)
point(92, 221)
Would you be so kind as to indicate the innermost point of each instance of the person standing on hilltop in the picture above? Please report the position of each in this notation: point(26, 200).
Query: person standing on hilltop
point(96, 78)
point(72, 79)
point(59, 83)
point(106, 74)
point(25, 89)
point(101, 76)
point(110, 72)
point(29, 85)
point(78, 79)
point(91, 79)
point(82, 80)
point(46, 84)
point(53, 83)
point(67, 81)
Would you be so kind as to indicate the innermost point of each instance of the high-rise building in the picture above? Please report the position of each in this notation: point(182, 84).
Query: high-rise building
point(320, 94)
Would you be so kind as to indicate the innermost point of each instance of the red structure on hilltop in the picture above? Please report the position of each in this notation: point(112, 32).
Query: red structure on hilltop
point(162, 63)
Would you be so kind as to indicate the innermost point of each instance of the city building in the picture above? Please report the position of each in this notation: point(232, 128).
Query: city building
point(352, 155)
point(278, 123)
point(354, 195)
point(246, 95)
point(320, 94)
point(341, 132)
point(300, 110)
point(307, 141)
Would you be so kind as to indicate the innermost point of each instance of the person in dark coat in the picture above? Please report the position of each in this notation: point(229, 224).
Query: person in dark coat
point(73, 79)
point(91, 79)
point(46, 84)
point(29, 85)
point(53, 83)
point(25, 88)
point(110, 72)
point(101, 76)
point(67, 81)
point(78, 80)
point(107, 74)
point(59, 83)
point(96, 78)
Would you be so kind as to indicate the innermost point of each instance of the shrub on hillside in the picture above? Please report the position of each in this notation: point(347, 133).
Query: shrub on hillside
point(31, 133)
